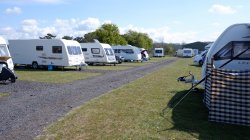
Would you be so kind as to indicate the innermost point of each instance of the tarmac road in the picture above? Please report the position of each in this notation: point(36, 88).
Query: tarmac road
point(32, 106)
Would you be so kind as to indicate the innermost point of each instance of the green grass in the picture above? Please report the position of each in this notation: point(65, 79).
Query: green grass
point(52, 76)
point(4, 94)
point(134, 112)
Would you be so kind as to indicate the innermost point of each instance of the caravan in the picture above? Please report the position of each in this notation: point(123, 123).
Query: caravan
point(6, 64)
point(98, 53)
point(4, 52)
point(158, 52)
point(188, 52)
point(130, 53)
point(44, 52)
point(230, 43)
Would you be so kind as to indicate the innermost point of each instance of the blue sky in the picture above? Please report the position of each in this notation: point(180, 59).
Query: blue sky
point(170, 21)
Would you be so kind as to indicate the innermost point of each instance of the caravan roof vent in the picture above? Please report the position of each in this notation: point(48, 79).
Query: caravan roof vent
point(96, 41)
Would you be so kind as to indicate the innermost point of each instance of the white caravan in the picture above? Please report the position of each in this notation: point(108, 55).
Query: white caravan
point(188, 52)
point(98, 53)
point(44, 52)
point(179, 53)
point(5, 54)
point(234, 40)
point(130, 53)
point(158, 52)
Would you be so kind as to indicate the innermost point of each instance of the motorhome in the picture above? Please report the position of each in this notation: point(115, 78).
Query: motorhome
point(98, 53)
point(130, 53)
point(158, 52)
point(44, 52)
point(230, 43)
point(5, 54)
point(188, 52)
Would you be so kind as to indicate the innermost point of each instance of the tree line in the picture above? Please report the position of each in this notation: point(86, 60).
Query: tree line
point(110, 34)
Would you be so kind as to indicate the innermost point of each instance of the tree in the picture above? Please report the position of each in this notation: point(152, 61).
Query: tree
point(68, 37)
point(110, 34)
point(141, 40)
point(89, 37)
point(79, 39)
point(48, 36)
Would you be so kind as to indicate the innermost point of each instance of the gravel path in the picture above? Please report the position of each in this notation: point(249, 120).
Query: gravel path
point(32, 106)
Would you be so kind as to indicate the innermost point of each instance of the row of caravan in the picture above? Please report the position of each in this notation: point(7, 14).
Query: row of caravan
point(60, 52)
point(186, 52)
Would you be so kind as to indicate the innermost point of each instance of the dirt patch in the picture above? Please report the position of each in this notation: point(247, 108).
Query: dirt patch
point(32, 106)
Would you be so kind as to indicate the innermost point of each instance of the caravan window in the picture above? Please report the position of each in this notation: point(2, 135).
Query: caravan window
point(109, 51)
point(39, 48)
point(69, 50)
point(232, 49)
point(74, 50)
point(158, 51)
point(95, 50)
point(84, 49)
point(130, 51)
point(3, 50)
point(56, 49)
point(116, 50)
point(240, 47)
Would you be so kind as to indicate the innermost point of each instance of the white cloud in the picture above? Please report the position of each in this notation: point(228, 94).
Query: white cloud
point(13, 10)
point(90, 24)
point(222, 9)
point(31, 28)
point(164, 34)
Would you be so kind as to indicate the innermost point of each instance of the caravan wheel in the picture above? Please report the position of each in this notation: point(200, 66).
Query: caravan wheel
point(35, 65)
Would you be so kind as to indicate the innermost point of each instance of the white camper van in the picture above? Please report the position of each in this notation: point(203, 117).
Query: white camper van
point(4, 52)
point(98, 53)
point(158, 52)
point(234, 40)
point(41, 52)
point(130, 53)
point(188, 52)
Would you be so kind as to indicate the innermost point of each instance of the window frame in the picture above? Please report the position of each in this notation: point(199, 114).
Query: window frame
point(58, 51)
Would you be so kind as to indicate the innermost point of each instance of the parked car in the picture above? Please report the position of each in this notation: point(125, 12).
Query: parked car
point(199, 59)
point(119, 59)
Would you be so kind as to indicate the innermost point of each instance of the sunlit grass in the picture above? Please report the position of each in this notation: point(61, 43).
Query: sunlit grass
point(134, 112)
point(4, 94)
point(52, 76)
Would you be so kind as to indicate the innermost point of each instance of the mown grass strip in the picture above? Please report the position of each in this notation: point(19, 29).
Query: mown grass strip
point(133, 112)
point(4, 94)
point(52, 76)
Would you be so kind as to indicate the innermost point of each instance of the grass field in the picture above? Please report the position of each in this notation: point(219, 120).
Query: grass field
point(134, 111)
point(52, 76)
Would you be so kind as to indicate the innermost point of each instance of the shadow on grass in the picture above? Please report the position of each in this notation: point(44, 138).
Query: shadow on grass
point(193, 65)
point(191, 116)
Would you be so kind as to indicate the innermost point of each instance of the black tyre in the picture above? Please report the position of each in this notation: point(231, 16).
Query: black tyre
point(35, 65)
point(200, 62)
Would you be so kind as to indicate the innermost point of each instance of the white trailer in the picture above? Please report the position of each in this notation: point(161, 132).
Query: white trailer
point(5, 55)
point(44, 52)
point(158, 52)
point(130, 53)
point(98, 53)
point(234, 40)
point(179, 53)
point(188, 52)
